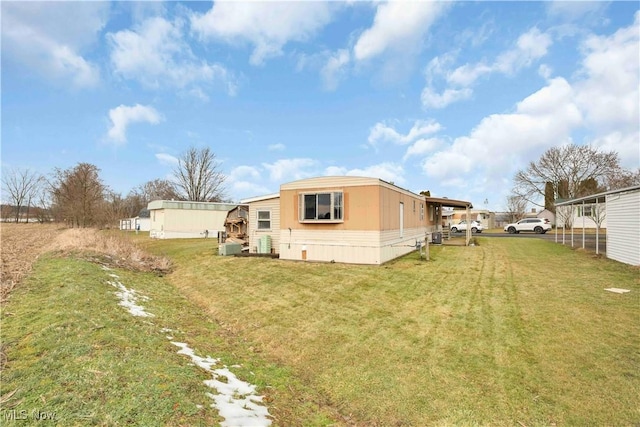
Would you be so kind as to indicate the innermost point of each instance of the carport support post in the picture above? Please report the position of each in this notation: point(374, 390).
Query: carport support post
point(468, 234)
point(598, 228)
point(583, 236)
point(426, 248)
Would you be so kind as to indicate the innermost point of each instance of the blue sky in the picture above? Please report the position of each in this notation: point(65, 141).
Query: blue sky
point(451, 97)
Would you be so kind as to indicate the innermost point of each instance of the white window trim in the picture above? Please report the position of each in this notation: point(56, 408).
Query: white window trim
point(258, 220)
point(301, 197)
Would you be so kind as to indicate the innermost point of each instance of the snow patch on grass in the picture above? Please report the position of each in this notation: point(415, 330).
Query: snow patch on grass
point(129, 298)
point(236, 400)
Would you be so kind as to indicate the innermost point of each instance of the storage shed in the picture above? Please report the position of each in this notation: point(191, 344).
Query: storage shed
point(176, 219)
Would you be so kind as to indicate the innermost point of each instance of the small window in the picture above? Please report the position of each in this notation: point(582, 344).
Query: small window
point(585, 210)
point(321, 207)
point(264, 220)
point(414, 206)
point(421, 211)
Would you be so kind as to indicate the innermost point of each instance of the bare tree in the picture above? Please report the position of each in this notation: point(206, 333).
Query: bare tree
point(43, 201)
point(20, 187)
point(565, 216)
point(598, 214)
point(114, 208)
point(572, 170)
point(516, 207)
point(158, 189)
point(198, 177)
point(78, 195)
point(624, 178)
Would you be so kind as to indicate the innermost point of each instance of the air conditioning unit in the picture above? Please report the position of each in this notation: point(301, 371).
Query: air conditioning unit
point(227, 249)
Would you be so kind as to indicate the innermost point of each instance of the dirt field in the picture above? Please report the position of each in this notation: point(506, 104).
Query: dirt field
point(22, 244)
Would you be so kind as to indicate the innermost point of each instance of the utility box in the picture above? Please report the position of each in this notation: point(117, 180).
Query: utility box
point(264, 245)
point(227, 249)
point(436, 238)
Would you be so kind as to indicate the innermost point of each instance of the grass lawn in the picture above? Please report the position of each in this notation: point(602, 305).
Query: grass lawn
point(507, 332)
point(74, 357)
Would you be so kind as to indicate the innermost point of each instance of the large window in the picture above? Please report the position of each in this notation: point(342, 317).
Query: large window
point(264, 220)
point(321, 207)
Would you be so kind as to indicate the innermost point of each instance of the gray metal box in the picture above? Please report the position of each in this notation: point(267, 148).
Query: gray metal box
point(226, 249)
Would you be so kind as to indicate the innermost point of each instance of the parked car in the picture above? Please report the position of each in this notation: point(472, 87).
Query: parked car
point(536, 225)
point(476, 227)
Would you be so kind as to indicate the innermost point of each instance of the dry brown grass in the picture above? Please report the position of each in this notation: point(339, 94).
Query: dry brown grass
point(22, 244)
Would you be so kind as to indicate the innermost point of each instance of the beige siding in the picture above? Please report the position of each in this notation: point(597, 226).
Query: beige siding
point(177, 223)
point(329, 181)
point(357, 247)
point(272, 205)
point(354, 247)
point(370, 232)
point(393, 246)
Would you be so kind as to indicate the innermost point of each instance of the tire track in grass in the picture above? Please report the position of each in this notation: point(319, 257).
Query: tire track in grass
point(236, 400)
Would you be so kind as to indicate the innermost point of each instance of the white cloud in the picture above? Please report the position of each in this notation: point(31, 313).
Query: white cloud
point(608, 91)
point(285, 170)
point(244, 171)
point(245, 181)
point(542, 120)
point(335, 69)
point(382, 133)
point(574, 10)
point(244, 189)
point(122, 116)
point(276, 147)
point(268, 26)
point(397, 26)
point(166, 159)
point(467, 74)
point(387, 171)
point(623, 143)
point(431, 99)
point(545, 71)
point(335, 171)
point(529, 47)
point(49, 37)
point(422, 147)
point(601, 104)
point(156, 55)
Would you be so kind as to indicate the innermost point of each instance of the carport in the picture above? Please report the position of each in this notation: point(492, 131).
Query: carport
point(597, 200)
point(622, 211)
point(451, 203)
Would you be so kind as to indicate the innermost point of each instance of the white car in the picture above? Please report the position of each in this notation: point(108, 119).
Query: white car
point(536, 225)
point(476, 227)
